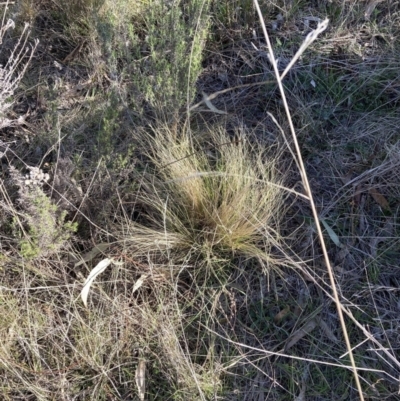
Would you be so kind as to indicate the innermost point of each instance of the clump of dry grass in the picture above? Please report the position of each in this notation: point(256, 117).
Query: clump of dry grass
point(208, 196)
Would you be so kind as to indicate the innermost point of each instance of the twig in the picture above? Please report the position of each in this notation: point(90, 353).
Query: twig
point(215, 94)
point(307, 187)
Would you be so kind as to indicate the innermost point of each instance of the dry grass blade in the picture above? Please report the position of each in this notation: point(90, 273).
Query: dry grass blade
point(87, 257)
point(208, 103)
point(297, 358)
point(227, 90)
point(299, 334)
point(309, 193)
point(139, 282)
point(140, 378)
point(311, 37)
point(328, 332)
point(370, 8)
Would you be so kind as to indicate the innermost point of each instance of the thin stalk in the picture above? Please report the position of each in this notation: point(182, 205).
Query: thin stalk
point(312, 203)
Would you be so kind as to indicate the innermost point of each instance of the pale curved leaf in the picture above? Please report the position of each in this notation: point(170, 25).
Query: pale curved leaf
point(139, 282)
point(100, 267)
point(299, 334)
point(331, 234)
point(211, 106)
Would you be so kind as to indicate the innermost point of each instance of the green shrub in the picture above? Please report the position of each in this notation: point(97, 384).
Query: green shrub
point(41, 225)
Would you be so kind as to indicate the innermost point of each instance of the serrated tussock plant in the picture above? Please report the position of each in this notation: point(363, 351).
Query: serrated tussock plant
point(209, 197)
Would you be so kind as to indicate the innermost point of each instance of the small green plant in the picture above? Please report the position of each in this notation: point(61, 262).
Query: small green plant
point(43, 228)
point(46, 232)
point(109, 125)
point(176, 44)
point(232, 13)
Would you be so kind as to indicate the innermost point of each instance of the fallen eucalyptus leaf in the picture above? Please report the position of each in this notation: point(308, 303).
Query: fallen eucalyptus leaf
point(331, 234)
point(100, 267)
point(379, 199)
point(328, 332)
point(299, 334)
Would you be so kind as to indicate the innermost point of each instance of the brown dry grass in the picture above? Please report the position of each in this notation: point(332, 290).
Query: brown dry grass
point(192, 205)
point(207, 194)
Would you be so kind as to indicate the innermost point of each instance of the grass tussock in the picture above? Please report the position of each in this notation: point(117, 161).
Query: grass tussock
point(210, 196)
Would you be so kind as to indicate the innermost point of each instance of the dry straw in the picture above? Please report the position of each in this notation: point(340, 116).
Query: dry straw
point(207, 196)
point(309, 39)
